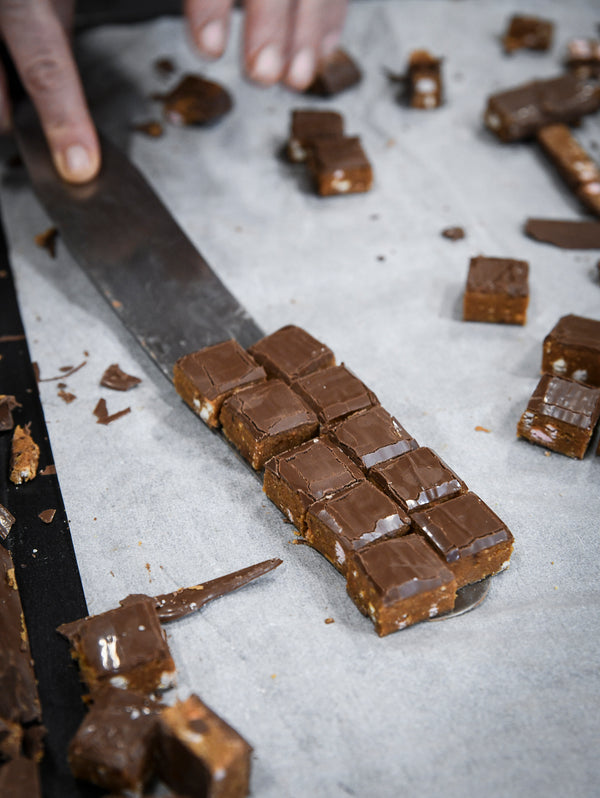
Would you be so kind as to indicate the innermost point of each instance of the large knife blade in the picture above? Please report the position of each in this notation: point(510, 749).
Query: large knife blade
point(123, 236)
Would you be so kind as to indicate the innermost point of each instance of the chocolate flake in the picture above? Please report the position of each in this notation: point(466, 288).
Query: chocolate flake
point(47, 240)
point(101, 413)
point(6, 522)
point(117, 379)
point(151, 128)
point(47, 516)
point(67, 372)
point(566, 234)
point(454, 233)
point(66, 396)
point(50, 470)
point(24, 456)
point(7, 339)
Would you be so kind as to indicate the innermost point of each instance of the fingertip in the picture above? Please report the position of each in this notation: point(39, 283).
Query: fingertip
point(77, 163)
point(212, 38)
point(266, 66)
point(301, 71)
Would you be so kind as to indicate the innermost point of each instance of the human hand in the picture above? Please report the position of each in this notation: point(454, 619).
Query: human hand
point(283, 39)
point(36, 33)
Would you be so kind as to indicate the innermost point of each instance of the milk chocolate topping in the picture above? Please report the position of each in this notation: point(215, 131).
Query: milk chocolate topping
point(566, 400)
point(498, 276)
point(565, 234)
point(334, 393)
point(272, 408)
point(371, 437)
point(335, 73)
point(291, 353)
point(219, 369)
point(580, 331)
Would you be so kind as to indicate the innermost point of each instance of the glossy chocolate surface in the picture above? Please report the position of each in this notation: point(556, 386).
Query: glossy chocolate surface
point(334, 393)
point(528, 32)
point(113, 746)
point(6, 522)
point(403, 567)
point(19, 702)
point(125, 647)
point(360, 515)
point(566, 400)
point(308, 125)
point(461, 527)
point(520, 112)
point(196, 101)
point(498, 276)
point(417, 479)
point(117, 379)
point(270, 408)
point(218, 370)
point(577, 331)
point(342, 154)
point(291, 352)
point(371, 437)
point(335, 73)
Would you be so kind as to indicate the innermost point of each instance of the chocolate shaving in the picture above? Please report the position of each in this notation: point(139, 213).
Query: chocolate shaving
point(150, 128)
point(66, 396)
point(101, 413)
point(454, 233)
point(67, 372)
point(7, 405)
point(6, 339)
point(47, 240)
point(117, 379)
point(182, 602)
point(24, 456)
point(565, 234)
point(50, 470)
point(6, 522)
point(47, 516)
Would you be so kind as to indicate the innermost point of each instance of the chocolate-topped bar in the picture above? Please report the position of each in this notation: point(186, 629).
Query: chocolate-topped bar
point(340, 166)
point(400, 582)
point(572, 349)
point(124, 647)
point(266, 419)
point(561, 415)
point(200, 755)
point(334, 393)
point(417, 479)
point(573, 163)
point(295, 479)
point(196, 101)
point(497, 291)
point(424, 80)
point(290, 353)
point(469, 536)
point(352, 519)
point(114, 745)
point(583, 57)
point(335, 73)
point(529, 33)
point(308, 125)
point(371, 437)
point(204, 379)
point(520, 112)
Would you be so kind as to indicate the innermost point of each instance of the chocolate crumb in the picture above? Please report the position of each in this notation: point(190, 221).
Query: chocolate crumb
point(381, 257)
point(66, 396)
point(7, 339)
point(454, 233)
point(482, 429)
point(24, 456)
point(49, 471)
point(62, 385)
point(329, 620)
point(47, 516)
point(36, 371)
point(65, 368)
point(47, 240)
point(6, 522)
point(150, 128)
point(117, 379)
point(164, 67)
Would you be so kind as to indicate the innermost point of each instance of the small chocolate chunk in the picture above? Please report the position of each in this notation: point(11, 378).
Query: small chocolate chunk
point(200, 755)
point(529, 33)
point(424, 80)
point(151, 128)
point(309, 125)
point(583, 57)
point(454, 233)
point(47, 240)
point(24, 456)
point(47, 516)
point(117, 379)
point(196, 101)
point(204, 379)
point(400, 582)
point(417, 479)
point(114, 745)
point(334, 393)
point(520, 112)
point(572, 349)
point(565, 234)
point(164, 66)
point(125, 647)
point(102, 415)
point(497, 291)
point(561, 415)
point(66, 396)
point(340, 166)
point(335, 73)
point(470, 537)
point(290, 353)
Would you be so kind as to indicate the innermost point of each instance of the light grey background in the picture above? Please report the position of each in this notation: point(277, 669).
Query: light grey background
point(499, 702)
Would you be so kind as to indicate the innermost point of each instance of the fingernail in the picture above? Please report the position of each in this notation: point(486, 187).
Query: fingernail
point(268, 65)
point(211, 38)
point(302, 69)
point(76, 163)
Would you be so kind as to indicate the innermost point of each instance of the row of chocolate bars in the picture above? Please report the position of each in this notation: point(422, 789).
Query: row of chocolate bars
point(389, 514)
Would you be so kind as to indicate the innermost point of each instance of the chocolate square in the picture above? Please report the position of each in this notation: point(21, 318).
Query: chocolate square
point(199, 754)
point(335, 73)
point(295, 479)
point(290, 353)
point(352, 519)
point(470, 537)
point(204, 379)
point(424, 80)
point(497, 291)
point(266, 419)
point(561, 415)
point(114, 745)
point(417, 479)
point(340, 166)
point(334, 393)
point(308, 125)
point(196, 101)
point(572, 349)
point(529, 33)
point(400, 582)
point(125, 647)
point(371, 437)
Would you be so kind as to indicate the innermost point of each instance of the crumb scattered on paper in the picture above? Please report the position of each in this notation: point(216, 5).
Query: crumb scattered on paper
point(115, 378)
point(47, 516)
point(47, 240)
point(101, 413)
point(482, 429)
point(66, 396)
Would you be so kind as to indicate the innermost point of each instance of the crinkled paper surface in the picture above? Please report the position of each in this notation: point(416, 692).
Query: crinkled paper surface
point(498, 702)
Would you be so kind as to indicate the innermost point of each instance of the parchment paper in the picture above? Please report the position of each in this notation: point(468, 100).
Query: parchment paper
point(500, 702)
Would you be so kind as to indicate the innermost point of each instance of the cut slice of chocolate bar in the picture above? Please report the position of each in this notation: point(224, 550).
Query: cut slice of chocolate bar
point(290, 353)
point(497, 291)
point(335, 73)
point(340, 166)
point(572, 349)
point(334, 393)
point(309, 125)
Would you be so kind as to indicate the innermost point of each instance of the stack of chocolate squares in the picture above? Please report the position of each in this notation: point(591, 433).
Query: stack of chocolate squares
point(389, 514)
point(337, 163)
